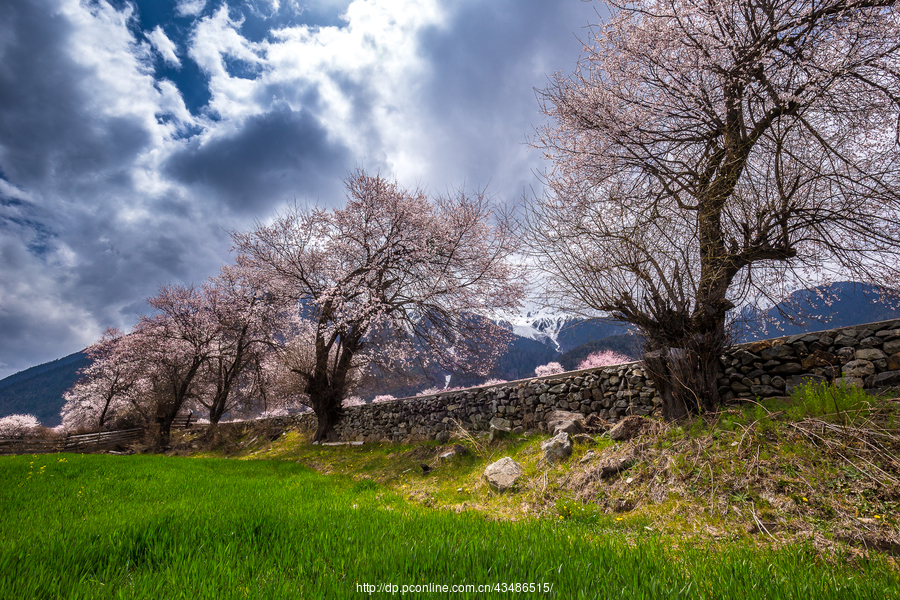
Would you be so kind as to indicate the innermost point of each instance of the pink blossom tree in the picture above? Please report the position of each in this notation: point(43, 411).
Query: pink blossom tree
point(352, 401)
point(707, 155)
point(603, 358)
point(102, 393)
point(18, 425)
point(245, 321)
point(174, 345)
point(391, 278)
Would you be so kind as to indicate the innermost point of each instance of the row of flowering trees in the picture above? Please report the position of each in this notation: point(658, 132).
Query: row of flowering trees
point(209, 348)
point(319, 303)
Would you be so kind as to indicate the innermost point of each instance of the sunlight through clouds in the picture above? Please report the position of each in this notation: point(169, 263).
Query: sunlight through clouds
point(153, 129)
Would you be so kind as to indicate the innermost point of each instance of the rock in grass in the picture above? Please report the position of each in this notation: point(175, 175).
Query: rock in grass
point(501, 424)
point(499, 428)
point(561, 420)
point(503, 474)
point(629, 427)
point(557, 448)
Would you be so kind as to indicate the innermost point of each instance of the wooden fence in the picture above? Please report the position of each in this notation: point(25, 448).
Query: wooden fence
point(185, 421)
point(83, 442)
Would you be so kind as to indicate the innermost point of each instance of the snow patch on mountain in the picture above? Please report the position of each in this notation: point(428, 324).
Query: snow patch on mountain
point(541, 325)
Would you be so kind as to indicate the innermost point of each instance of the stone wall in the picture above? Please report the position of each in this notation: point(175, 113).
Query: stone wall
point(863, 355)
point(867, 356)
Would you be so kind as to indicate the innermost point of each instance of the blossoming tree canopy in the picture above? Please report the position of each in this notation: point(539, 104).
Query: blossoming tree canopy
point(394, 276)
point(246, 323)
point(712, 154)
point(103, 391)
point(18, 425)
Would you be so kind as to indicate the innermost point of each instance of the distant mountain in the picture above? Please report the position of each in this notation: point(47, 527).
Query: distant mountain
point(839, 305)
point(38, 390)
point(578, 333)
point(540, 326)
point(522, 356)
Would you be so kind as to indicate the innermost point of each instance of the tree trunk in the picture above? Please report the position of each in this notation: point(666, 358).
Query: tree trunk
point(103, 414)
point(686, 378)
point(164, 430)
point(326, 400)
point(328, 417)
point(216, 411)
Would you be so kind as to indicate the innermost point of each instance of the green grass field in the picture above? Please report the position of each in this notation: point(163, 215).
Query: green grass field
point(85, 526)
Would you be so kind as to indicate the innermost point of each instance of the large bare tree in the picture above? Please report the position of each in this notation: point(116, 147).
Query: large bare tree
point(392, 278)
point(714, 153)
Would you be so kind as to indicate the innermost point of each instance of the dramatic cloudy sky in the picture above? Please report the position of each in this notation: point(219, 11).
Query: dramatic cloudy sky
point(135, 135)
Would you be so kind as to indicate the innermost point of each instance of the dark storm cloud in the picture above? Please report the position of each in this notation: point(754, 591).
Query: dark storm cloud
point(272, 157)
point(44, 132)
point(485, 65)
point(67, 181)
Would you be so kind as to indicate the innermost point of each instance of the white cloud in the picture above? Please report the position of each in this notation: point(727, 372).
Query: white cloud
point(121, 80)
point(10, 191)
point(189, 8)
point(215, 41)
point(162, 44)
point(374, 58)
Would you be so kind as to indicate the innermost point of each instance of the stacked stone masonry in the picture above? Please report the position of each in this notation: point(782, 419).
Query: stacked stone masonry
point(867, 356)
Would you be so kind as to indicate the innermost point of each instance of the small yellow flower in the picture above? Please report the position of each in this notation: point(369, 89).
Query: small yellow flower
point(805, 500)
point(877, 516)
point(618, 518)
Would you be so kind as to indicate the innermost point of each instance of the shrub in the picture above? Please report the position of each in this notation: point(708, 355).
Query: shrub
point(840, 402)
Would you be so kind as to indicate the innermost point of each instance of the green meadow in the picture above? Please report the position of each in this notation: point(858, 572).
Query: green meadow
point(97, 526)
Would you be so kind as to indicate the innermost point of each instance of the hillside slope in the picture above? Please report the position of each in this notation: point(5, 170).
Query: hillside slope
point(39, 390)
